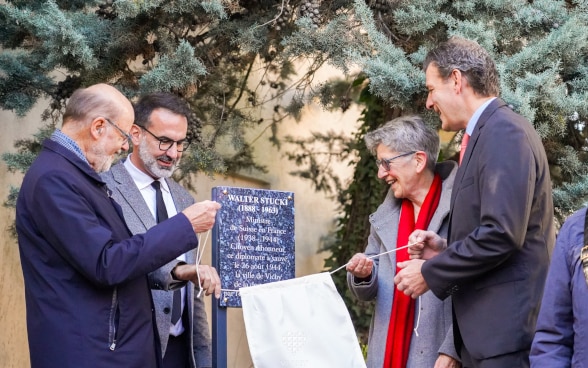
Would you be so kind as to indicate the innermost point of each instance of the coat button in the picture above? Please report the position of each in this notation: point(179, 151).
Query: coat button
point(166, 310)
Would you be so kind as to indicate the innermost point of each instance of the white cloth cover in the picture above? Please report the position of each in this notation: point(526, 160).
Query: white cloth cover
point(302, 323)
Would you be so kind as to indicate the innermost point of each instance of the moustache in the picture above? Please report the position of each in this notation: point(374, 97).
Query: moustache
point(166, 158)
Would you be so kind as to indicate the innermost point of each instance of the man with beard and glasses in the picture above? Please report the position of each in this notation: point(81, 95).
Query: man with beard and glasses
point(85, 276)
point(159, 140)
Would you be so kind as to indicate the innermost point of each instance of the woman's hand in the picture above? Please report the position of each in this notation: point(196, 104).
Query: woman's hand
point(360, 266)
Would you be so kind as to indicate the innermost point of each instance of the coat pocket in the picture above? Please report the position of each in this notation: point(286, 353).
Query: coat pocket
point(113, 320)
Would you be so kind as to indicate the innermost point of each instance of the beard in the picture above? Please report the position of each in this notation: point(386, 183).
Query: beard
point(102, 161)
point(151, 163)
point(106, 164)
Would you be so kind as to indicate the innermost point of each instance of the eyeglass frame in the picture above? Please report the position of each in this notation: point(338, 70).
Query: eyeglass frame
point(126, 136)
point(385, 163)
point(184, 143)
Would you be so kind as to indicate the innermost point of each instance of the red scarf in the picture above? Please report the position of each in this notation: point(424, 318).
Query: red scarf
point(402, 316)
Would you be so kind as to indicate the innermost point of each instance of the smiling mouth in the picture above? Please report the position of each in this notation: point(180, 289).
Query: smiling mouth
point(390, 182)
point(165, 161)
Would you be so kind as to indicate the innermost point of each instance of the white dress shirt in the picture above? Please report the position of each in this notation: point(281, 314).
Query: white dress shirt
point(143, 182)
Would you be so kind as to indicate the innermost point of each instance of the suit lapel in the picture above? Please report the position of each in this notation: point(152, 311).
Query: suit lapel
point(131, 194)
point(447, 171)
point(385, 221)
point(488, 112)
point(178, 195)
point(182, 199)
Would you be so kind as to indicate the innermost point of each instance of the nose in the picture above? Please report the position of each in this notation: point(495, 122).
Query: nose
point(429, 103)
point(173, 151)
point(382, 173)
point(125, 145)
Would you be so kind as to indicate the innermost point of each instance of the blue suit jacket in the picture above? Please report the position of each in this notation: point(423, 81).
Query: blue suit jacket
point(139, 218)
point(500, 233)
point(87, 295)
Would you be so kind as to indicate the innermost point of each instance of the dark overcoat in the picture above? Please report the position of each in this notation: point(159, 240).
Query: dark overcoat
point(87, 295)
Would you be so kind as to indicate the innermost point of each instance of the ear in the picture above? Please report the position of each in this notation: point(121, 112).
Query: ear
point(135, 133)
point(421, 161)
point(97, 127)
point(458, 79)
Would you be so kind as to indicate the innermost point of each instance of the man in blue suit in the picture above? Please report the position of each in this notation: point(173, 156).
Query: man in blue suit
point(86, 289)
point(159, 140)
point(495, 259)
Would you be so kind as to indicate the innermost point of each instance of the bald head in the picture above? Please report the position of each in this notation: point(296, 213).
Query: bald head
point(98, 100)
point(98, 118)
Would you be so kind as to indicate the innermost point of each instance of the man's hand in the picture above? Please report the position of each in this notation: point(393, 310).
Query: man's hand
point(445, 361)
point(360, 266)
point(209, 279)
point(409, 280)
point(425, 244)
point(202, 215)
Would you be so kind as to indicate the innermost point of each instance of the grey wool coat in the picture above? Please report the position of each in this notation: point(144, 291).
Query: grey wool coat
point(139, 218)
point(435, 332)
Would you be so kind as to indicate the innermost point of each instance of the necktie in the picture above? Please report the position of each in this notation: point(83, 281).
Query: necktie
point(464, 144)
point(161, 213)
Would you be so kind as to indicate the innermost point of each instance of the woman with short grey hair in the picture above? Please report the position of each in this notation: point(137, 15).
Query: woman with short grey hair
point(405, 332)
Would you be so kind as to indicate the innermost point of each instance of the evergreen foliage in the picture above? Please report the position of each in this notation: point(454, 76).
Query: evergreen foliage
point(230, 58)
point(541, 51)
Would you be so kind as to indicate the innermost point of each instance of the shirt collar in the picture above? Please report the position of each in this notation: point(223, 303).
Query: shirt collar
point(59, 137)
point(141, 179)
point(474, 119)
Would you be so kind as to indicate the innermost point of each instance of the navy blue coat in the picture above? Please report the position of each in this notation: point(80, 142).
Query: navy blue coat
point(87, 295)
point(562, 326)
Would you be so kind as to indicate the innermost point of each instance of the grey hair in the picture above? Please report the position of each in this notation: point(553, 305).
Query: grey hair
point(406, 134)
point(471, 59)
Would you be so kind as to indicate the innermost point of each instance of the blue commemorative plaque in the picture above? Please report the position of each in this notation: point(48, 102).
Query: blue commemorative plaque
point(254, 239)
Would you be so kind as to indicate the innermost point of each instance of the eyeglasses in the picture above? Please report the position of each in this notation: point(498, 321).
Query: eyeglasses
point(166, 143)
point(125, 136)
point(385, 163)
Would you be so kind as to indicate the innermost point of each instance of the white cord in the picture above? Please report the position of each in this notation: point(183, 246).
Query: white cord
point(199, 253)
point(376, 255)
point(419, 299)
point(416, 326)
